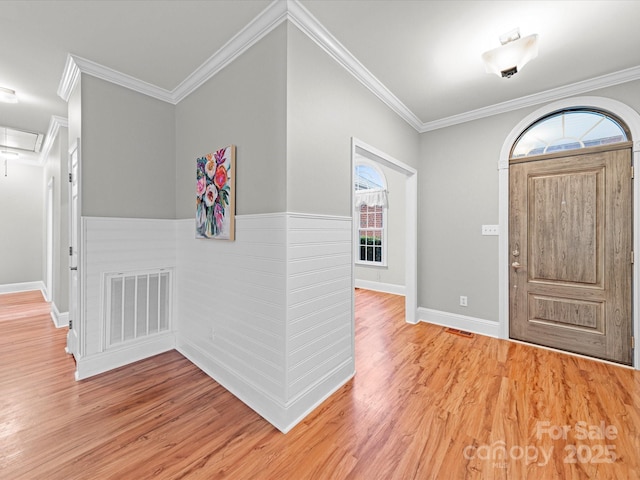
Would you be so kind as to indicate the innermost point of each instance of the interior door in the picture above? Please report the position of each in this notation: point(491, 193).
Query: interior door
point(73, 344)
point(570, 235)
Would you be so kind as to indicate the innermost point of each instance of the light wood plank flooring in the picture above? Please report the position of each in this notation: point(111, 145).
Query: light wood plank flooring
point(424, 404)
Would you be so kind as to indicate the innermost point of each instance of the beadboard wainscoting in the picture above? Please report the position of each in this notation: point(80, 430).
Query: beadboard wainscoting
point(120, 245)
point(461, 322)
point(320, 334)
point(232, 307)
point(269, 316)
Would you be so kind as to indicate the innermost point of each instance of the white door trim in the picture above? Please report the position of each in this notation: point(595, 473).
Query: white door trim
point(411, 220)
point(49, 278)
point(632, 120)
point(75, 336)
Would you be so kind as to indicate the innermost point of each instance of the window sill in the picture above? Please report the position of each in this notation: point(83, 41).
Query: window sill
point(370, 264)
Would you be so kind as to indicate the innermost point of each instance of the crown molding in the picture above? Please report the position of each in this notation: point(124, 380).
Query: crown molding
point(70, 76)
point(276, 13)
point(252, 33)
point(55, 124)
point(279, 11)
point(309, 25)
point(105, 73)
point(554, 94)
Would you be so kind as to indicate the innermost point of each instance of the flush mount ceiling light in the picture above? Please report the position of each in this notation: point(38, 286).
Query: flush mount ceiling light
point(508, 59)
point(8, 96)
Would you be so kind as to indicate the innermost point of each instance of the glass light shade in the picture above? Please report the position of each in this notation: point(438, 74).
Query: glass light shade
point(509, 58)
point(8, 96)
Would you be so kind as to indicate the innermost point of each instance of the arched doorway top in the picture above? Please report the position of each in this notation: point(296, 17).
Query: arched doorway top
point(607, 105)
point(570, 129)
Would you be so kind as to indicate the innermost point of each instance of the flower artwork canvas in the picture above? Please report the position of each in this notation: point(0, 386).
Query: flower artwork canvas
point(215, 203)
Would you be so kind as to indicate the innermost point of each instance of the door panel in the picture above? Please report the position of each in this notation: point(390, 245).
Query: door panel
point(570, 241)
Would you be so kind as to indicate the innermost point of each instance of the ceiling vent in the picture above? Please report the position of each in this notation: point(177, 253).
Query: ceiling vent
point(20, 140)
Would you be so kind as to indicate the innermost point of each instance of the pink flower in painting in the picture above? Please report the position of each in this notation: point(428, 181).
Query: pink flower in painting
point(210, 194)
point(201, 186)
point(220, 156)
point(220, 178)
point(210, 168)
point(218, 213)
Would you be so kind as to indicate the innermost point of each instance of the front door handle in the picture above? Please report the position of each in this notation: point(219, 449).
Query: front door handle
point(516, 265)
point(73, 268)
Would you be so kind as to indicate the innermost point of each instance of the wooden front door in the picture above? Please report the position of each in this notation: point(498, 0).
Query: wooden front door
point(570, 242)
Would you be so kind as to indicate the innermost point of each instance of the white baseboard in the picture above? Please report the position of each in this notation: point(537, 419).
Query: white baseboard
point(461, 322)
point(60, 320)
point(282, 415)
point(257, 399)
point(309, 400)
point(102, 362)
point(24, 287)
point(381, 287)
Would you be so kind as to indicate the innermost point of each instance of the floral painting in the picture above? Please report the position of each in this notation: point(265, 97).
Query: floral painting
point(215, 206)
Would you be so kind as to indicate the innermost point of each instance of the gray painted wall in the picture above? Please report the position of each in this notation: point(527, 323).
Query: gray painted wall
point(244, 105)
point(326, 106)
point(21, 223)
point(457, 193)
point(128, 153)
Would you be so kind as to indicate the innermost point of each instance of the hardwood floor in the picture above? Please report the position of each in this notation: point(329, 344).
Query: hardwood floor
point(424, 404)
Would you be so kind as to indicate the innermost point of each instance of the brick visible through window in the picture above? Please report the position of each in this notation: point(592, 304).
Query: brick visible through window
point(370, 234)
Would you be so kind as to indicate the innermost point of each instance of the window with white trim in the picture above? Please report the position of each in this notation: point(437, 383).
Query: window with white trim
point(370, 196)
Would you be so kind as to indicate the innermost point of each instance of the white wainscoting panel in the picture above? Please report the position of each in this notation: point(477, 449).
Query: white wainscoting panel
point(119, 245)
point(232, 307)
point(320, 325)
point(269, 316)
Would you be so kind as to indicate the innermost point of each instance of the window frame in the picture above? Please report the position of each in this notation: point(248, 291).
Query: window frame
point(357, 229)
point(567, 111)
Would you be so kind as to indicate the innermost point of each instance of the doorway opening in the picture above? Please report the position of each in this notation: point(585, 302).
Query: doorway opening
point(360, 151)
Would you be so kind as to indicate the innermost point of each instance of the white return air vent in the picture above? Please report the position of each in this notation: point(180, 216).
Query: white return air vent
point(137, 305)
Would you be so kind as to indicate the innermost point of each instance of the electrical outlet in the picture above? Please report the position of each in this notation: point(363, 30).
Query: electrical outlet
point(490, 229)
point(463, 301)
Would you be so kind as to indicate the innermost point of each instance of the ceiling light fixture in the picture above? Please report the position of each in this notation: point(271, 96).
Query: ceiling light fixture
point(8, 96)
point(508, 59)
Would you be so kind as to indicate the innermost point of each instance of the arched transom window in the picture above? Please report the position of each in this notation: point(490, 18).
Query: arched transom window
point(569, 130)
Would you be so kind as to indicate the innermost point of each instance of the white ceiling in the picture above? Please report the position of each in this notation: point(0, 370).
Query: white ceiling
point(426, 52)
